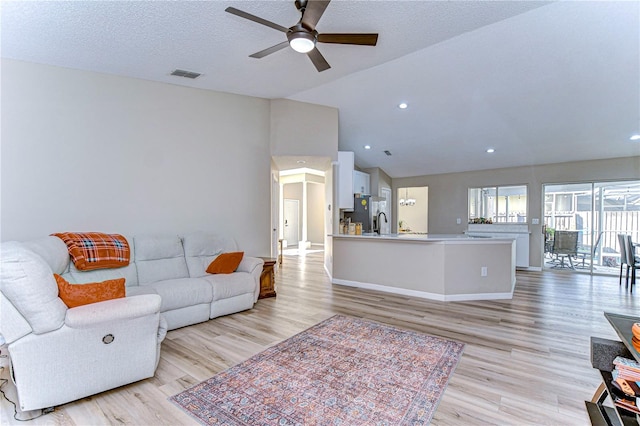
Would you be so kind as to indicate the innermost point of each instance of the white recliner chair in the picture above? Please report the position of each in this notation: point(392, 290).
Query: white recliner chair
point(59, 354)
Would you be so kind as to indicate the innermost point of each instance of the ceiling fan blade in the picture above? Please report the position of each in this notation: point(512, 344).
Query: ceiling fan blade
point(318, 60)
point(360, 39)
point(313, 12)
point(257, 19)
point(270, 50)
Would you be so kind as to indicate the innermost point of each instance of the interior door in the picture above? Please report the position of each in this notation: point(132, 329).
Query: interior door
point(290, 222)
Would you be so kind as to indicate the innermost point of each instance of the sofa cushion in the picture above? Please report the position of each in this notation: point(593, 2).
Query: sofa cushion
point(229, 285)
point(27, 281)
point(182, 292)
point(159, 257)
point(129, 273)
point(136, 290)
point(53, 250)
point(225, 263)
point(200, 248)
point(84, 294)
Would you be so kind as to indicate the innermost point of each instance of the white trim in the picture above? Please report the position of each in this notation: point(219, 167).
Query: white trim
point(302, 170)
point(328, 273)
point(529, 268)
point(424, 294)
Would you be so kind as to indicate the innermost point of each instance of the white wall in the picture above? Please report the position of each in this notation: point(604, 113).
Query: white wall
point(299, 128)
point(303, 129)
point(331, 215)
point(315, 213)
point(416, 216)
point(315, 203)
point(379, 179)
point(448, 192)
point(83, 151)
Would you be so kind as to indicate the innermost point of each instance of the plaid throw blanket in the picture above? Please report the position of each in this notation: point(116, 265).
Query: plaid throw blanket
point(95, 250)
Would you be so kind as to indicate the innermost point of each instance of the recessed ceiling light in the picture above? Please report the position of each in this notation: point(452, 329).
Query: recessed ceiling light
point(403, 106)
point(635, 138)
point(491, 150)
point(301, 162)
point(367, 147)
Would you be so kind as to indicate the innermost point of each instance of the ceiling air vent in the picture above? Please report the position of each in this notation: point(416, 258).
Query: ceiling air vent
point(187, 74)
point(388, 152)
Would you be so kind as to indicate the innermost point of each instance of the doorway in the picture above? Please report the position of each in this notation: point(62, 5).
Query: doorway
point(413, 210)
point(291, 222)
point(597, 212)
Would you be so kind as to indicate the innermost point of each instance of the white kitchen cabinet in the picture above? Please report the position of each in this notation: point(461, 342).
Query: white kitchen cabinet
point(519, 232)
point(346, 161)
point(522, 250)
point(361, 183)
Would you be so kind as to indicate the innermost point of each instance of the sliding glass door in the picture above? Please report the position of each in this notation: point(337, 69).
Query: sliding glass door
point(597, 212)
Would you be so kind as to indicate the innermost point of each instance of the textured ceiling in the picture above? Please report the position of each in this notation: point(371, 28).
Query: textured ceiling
point(540, 82)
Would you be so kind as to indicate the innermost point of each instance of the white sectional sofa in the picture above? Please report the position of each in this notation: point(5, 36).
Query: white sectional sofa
point(60, 354)
point(174, 267)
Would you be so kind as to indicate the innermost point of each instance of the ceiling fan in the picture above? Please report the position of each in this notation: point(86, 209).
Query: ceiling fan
point(302, 37)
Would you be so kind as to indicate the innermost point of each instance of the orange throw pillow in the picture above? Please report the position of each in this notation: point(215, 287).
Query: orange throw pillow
point(82, 294)
point(225, 263)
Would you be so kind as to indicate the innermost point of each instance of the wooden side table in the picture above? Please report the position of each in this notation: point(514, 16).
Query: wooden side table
point(267, 278)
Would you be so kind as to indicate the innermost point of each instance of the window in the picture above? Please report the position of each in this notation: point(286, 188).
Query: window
point(503, 204)
point(564, 203)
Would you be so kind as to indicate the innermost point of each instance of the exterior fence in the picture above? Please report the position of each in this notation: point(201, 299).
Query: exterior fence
point(613, 223)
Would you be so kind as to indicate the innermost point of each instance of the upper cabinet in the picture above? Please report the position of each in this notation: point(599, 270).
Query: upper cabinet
point(346, 161)
point(350, 181)
point(361, 183)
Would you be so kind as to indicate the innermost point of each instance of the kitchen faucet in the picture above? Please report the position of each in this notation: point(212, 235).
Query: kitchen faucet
point(377, 230)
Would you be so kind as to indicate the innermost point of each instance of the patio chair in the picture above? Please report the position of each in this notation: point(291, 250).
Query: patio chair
point(565, 246)
point(583, 253)
point(633, 260)
point(622, 242)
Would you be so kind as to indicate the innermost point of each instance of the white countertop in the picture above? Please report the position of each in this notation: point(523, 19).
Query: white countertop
point(423, 237)
point(498, 228)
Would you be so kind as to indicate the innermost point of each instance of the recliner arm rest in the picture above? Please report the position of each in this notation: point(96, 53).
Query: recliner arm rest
point(249, 264)
point(113, 310)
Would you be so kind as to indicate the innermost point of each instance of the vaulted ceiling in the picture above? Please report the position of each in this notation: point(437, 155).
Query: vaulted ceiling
point(540, 82)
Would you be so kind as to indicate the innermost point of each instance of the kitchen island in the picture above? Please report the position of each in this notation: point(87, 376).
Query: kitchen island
point(440, 267)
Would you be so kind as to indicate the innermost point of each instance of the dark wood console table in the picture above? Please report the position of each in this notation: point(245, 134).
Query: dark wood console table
point(599, 413)
point(267, 278)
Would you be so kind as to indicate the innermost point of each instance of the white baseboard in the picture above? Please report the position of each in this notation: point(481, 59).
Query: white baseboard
point(424, 294)
point(529, 268)
point(328, 273)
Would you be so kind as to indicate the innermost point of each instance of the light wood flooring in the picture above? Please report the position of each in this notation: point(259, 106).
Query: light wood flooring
point(526, 360)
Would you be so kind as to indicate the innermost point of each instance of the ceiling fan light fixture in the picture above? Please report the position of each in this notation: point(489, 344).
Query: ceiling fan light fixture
point(301, 41)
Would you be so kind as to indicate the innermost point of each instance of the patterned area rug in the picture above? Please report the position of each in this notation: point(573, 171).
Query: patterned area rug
point(344, 370)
